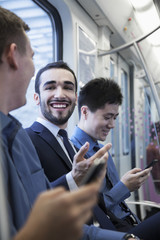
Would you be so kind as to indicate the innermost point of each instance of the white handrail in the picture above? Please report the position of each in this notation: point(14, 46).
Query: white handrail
point(144, 203)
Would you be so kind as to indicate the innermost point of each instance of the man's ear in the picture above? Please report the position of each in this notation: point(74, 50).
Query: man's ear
point(37, 98)
point(84, 112)
point(12, 56)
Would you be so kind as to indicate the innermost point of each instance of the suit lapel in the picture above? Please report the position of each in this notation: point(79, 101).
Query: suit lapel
point(50, 139)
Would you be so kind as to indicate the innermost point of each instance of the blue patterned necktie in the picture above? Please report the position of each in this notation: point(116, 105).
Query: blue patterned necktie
point(67, 144)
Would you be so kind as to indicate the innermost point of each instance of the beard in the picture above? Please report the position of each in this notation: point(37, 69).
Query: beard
point(60, 120)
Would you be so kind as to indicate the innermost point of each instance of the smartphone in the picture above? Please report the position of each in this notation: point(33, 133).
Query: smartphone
point(93, 171)
point(152, 163)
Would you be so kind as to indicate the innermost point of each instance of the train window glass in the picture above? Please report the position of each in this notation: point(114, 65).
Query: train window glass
point(41, 37)
point(125, 113)
point(86, 57)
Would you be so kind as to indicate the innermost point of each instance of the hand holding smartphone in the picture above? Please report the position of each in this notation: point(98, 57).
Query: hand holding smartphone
point(94, 171)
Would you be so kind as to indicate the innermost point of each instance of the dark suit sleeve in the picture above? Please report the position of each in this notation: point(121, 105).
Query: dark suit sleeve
point(54, 167)
point(60, 182)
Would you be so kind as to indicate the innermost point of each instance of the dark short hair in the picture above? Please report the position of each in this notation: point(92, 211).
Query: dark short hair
point(12, 30)
point(59, 64)
point(97, 92)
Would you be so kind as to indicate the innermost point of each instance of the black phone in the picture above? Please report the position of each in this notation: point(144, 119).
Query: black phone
point(152, 163)
point(93, 171)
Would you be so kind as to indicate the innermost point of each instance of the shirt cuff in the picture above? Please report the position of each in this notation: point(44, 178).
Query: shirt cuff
point(71, 183)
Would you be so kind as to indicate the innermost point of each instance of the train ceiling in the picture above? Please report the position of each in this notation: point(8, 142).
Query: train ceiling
point(129, 20)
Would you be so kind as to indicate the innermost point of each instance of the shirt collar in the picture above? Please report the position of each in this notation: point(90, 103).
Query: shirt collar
point(50, 126)
point(84, 137)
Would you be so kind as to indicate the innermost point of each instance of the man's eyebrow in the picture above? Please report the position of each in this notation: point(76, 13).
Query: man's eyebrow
point(49, 82)
point(53, 82)
point(112, 114)
point(69, 82)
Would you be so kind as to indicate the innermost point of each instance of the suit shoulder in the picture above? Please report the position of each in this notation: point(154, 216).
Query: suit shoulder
point(29, 131)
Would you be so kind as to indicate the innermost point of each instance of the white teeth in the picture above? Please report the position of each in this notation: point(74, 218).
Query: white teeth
point(59, 105)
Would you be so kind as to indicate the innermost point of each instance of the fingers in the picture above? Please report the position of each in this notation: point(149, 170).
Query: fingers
point(135, 170)
point(85, 199)
point(107, 146)
point(146, 171)
point(99, 154)
point(85, 192)
point(134, 178)
point(81, 203)
point(81, 165)
point(102, 153)
point(82, 209)
point(81, 153)
point(103, 150)
point(143, 175)
point(60, 207)
point(84, 213)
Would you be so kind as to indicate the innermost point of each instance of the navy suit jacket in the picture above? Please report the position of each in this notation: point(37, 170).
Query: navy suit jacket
point(53, 159)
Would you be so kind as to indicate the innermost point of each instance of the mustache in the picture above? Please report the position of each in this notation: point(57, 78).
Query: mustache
point(59, 101)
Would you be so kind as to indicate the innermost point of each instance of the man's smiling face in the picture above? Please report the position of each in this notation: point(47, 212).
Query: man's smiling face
point(58, 96)
point(99, 123)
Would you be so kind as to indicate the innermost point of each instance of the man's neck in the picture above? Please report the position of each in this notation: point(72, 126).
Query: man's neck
point(81, 126)
point(63, 126)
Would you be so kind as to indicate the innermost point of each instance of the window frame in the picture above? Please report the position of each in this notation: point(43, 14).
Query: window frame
point(56, 24)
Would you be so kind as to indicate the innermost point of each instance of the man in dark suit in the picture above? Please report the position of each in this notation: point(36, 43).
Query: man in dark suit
point(56, 94)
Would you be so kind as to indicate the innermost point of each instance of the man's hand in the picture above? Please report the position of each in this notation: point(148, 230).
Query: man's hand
point(134, 178)
point(81, 165)
point(59, 214)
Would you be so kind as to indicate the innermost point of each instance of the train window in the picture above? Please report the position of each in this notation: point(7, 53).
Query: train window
point(43, 39)
point(125, 113)
point(87, 57)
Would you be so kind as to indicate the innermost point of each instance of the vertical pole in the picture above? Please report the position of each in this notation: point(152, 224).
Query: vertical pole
point(150, 80)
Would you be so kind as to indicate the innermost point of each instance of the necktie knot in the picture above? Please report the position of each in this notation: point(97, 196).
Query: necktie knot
point(96, 147)
point(63, 133)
